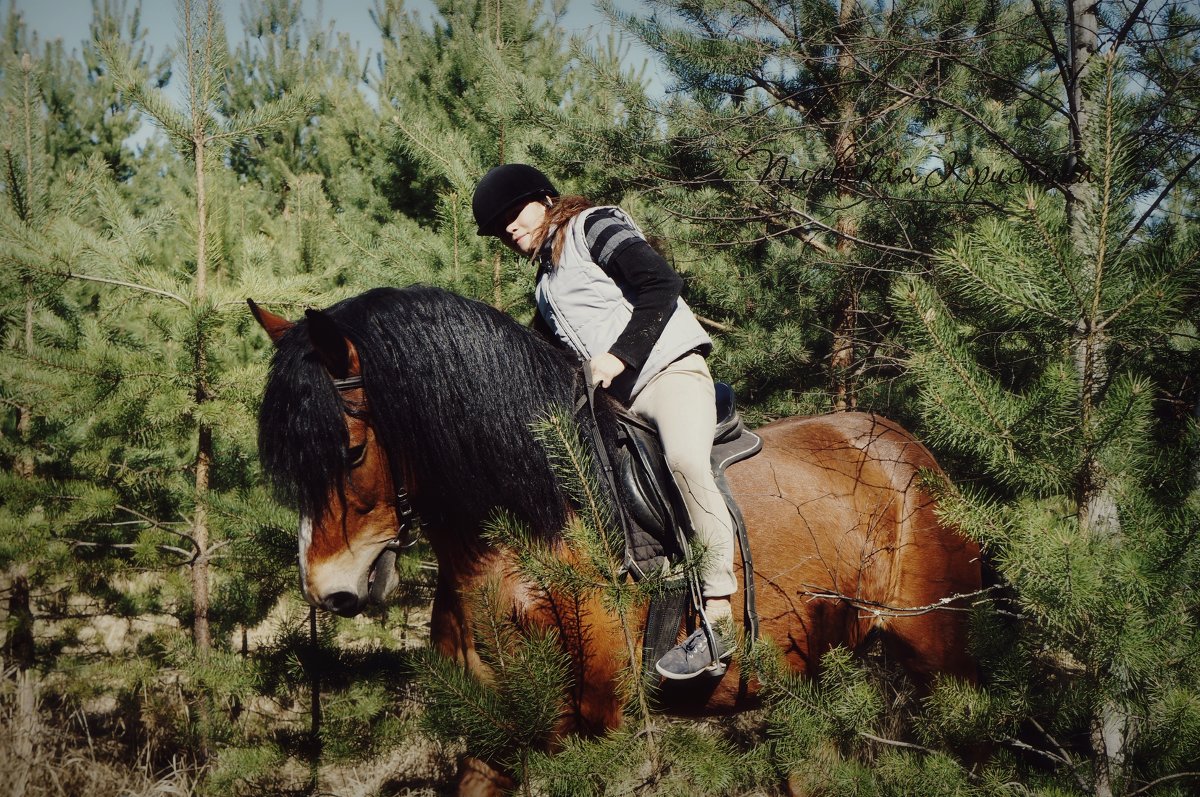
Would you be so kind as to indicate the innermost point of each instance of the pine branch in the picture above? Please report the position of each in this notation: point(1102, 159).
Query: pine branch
point(878, 609)
point(1044, 19)
point(569, 459)
point(1152, 208)
point(1064, 756)
point(954, 361)
point(422, 143)
point(153, 101)
point(1160, 781)
point(267, 118)
point(15, 186)
point(1132, 18)
point(188, 556)
point(1182, 267)
point(494, 637)
point(1051, 245)
point(131, 285)
point(897, 743)
point(1023, 293)
point(997, 137)
point(1055, 758)
point(717, 325)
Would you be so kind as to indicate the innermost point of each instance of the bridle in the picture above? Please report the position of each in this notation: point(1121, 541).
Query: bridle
point(407, 520)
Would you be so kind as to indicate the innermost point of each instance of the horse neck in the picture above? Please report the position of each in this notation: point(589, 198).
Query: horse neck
point(456, 542)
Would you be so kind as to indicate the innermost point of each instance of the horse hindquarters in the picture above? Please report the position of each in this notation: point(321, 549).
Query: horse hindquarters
point(935, 571)
point(843, 537)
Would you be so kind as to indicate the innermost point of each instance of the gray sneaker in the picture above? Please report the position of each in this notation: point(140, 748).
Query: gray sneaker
point(691, 657)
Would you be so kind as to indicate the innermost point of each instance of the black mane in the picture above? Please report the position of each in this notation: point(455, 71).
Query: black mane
point(452, 387)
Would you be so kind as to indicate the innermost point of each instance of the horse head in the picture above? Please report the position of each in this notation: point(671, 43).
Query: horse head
point(349, 530)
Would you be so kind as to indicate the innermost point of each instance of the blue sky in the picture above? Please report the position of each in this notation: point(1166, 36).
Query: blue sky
point(68, 19)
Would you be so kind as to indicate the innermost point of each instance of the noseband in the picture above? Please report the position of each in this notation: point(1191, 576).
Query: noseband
point(406, 516)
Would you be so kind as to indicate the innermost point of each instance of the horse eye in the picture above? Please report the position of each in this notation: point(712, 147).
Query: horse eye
point(355, 454)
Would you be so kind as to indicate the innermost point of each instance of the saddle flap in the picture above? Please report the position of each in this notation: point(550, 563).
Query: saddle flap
point(642, 478)
point(648, 491)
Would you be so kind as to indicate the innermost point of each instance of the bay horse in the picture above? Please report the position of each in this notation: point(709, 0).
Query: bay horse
point(435, 395)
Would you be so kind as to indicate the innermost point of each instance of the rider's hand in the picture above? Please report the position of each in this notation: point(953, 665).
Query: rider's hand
point(606, 368)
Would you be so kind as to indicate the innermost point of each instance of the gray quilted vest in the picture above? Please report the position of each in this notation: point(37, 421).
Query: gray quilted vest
point(588, 310)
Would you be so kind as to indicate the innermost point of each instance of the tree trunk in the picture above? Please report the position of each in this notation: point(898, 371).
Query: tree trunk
point(199, 75)
point(1112, 726)
point(497, 293)
point(315, 769)
point(23, 462)
point(204, 443)
point(497, 283)
point(23, 466)
point(200, 597)
point(201, 635)
point(1096, 508)
point(19, 648)
point(845, 154)
point(25, 732)
point(841, 380)
point(19, 652)
point(204, 433)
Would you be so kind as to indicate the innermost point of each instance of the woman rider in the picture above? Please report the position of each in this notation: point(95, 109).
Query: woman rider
point(604, 292)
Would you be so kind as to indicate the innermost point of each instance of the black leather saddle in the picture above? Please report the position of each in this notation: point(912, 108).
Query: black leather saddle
point(649, 494)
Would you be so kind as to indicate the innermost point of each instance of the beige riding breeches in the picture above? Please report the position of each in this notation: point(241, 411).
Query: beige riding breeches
point(679, 400)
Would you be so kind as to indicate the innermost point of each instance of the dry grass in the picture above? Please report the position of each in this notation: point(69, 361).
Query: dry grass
point(63, 734)
point(42, 755)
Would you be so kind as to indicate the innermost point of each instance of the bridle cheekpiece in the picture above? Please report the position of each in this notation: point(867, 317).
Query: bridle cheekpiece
point(406, 517)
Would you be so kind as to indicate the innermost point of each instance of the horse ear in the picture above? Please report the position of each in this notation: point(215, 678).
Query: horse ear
point(274, 325)
point(338, 354)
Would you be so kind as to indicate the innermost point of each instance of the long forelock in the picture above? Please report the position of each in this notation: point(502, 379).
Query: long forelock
point(302, 434)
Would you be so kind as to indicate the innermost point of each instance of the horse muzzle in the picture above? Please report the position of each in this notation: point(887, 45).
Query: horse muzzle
point(381, 580)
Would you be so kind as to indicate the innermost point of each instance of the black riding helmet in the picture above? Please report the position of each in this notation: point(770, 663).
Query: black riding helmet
point(503, 187)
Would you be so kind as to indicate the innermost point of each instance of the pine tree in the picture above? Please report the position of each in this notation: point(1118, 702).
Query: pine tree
point(36, 320)
point(342, 138)
point(508, 718)
point(794, 165)
point(147, 408)
point(1036, 347)
point(199, 134)
point(90, 115)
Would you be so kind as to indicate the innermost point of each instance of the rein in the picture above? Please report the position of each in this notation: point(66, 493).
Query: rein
point(406, 517)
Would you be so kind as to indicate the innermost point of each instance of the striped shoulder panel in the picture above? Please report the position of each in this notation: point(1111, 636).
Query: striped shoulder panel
point(607, 231)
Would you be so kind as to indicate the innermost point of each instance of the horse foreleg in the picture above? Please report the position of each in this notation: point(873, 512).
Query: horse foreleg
point(450, 635)
point(477, 778)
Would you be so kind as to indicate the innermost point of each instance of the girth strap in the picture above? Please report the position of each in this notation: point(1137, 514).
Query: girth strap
point(589, 399)
point(748, 586)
